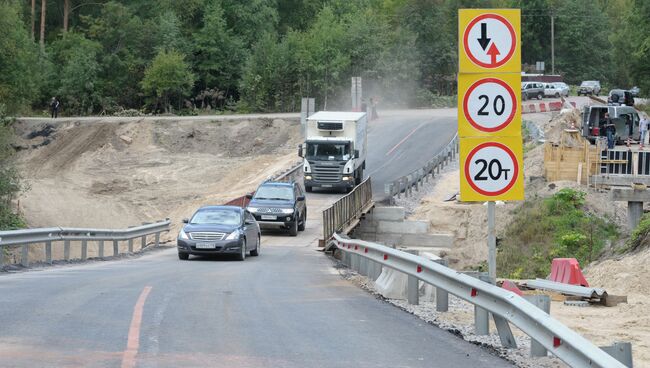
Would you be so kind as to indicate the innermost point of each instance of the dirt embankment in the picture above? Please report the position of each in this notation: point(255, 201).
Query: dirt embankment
point(114, 175)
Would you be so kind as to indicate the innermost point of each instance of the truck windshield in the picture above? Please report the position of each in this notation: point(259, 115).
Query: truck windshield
point(328, 151)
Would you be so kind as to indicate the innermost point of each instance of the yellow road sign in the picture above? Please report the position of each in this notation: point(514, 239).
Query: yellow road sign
point(489, 105)
point(491, 169)
point(489, 40)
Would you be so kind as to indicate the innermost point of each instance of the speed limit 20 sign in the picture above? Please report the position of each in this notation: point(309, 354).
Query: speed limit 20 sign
point(491, 169)
point(489, 105)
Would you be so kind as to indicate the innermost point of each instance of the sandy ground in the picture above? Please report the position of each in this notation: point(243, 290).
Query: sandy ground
point(619, 275)
point(117, 174)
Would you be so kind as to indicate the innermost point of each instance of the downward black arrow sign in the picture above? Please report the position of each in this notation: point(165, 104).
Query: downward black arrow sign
point(484, 40)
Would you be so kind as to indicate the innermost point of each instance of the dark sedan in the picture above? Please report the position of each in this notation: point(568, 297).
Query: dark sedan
point(219, 230)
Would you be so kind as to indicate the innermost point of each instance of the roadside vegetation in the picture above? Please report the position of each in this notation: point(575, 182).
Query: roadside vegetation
point(210, 56)
point(640, 237)
point(554, 227)
point(10, 184)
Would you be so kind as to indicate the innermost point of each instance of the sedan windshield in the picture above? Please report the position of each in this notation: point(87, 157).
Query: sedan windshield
point(274, 192)
point(216, 217)
point(328, 151)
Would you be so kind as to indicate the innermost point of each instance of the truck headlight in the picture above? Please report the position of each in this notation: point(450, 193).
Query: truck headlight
point(252, 209)
point(287, 211)
point(183, 235)
point(233, 236)
point(346, 178)
point(307, 177)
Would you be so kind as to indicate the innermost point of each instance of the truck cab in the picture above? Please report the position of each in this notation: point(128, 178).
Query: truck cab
point(334, 152)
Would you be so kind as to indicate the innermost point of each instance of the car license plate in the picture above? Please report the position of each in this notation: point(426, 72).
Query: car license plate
point(205, 245)
point(327, 185)
point(269, 217)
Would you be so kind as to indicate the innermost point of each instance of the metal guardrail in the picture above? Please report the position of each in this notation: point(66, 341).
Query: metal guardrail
point(345, 213)
point(47, 236)
point(505, 306)
point(291, 174)
point(407, 183)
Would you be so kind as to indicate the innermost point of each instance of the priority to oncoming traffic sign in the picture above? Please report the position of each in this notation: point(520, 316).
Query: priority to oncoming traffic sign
point(489, 105)
point(489, 40)
point(491, 169)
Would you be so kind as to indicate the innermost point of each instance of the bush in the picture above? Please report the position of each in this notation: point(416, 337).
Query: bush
point(640, 236)
point(554, 227)
point(10, 184)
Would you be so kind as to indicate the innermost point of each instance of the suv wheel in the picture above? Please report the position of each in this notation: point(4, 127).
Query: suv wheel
point(303, 223)
point(557, 95)
point(293, 230)
point(540, 96)
point(308, 188)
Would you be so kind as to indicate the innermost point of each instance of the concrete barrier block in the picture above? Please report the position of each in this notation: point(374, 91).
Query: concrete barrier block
point(428, 240)
point(406, 227)
point(388, 214)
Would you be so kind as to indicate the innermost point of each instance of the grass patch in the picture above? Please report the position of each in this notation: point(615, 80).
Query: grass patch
point(640, 236)
point(547, 228)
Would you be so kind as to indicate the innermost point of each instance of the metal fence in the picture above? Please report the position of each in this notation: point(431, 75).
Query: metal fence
point(414, 180)
point(292, 174)
point(345, 213)
point(506, 307)
point(48, 237)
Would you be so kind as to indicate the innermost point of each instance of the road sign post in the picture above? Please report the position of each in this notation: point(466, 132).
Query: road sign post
point(489, 111)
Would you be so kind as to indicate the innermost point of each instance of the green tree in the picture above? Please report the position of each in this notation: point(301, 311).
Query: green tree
point(10, 184)
point(638, 31)
point(169, 33)
point(169, 77)
point(19, 76)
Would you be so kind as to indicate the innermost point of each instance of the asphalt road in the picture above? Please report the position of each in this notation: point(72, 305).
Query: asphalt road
point(400, 142)
point(289, 307)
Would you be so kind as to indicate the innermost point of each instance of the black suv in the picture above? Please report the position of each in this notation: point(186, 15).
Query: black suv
point(619, 97)
point(279, 205)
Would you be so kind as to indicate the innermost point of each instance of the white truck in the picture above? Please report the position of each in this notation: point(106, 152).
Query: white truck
point(335, 150)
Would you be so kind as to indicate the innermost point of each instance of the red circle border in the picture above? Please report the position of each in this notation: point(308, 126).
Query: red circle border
point(512, 112)
point(468, 161)
point(512, 46)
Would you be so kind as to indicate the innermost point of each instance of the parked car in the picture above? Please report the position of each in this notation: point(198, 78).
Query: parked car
point(219, 230)
point(635, 91)
point(619, 97)
point(589, 88)
point(279, 205)
point(556, 90)
point(533, 89)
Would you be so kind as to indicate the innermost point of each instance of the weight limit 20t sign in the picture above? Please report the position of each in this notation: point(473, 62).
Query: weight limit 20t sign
point(491, 169)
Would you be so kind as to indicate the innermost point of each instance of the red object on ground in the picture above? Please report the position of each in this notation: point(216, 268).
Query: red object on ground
point(509, 285)
point(567, 271)
point(542, 107)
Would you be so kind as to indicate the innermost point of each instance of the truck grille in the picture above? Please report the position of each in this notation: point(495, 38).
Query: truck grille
point(327, 174)
point(207, 236)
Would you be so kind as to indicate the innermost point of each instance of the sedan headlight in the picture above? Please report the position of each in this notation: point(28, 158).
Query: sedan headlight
point(183, 235)
point(287, 211)
point(252, 209)
point(233, 236)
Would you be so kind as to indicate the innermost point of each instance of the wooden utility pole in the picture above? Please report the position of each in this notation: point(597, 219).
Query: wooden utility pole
point(33, 20)
point(66, 14)
point(43, 8)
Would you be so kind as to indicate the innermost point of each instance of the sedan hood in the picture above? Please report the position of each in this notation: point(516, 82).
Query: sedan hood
point(189, 228)
point(274, 203)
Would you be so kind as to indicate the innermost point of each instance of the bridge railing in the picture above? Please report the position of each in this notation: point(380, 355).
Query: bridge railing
point(49, 236)
point(407, 183)
point(505, 306)
point(345, 213)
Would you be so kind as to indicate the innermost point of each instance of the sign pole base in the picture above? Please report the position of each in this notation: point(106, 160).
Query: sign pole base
point(492, 243)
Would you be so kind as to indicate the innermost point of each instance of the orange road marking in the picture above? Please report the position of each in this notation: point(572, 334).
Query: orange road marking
point(133, 343)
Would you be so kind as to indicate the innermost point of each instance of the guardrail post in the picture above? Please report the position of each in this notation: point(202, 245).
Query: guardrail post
point(101, 249)
point(66, 250)
point(143, 243)
point(48, 252)
point(157, 239)
point(413, 285)
point(481, 316)
point(2, 256)
point(542, 302)
point(116, 248)
point(24, 257)
point(84, 250)
point(130, 245)
point(442, 296)
point(621, 351)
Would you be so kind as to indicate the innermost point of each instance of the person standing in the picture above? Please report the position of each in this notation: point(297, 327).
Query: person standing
point(643, 129)
point(610, 130)
point(373, 109)
point(54, 106)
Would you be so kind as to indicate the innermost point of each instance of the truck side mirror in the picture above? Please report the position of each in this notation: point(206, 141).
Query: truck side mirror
point(356, 153)
point(249, 196)
point(300, 150)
